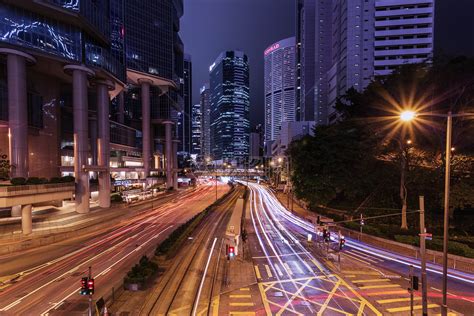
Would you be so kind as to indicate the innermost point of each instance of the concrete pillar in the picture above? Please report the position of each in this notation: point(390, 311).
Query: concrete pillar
point(103, 140)
point(26, 219)
point(17, 110)
point(80, 108)
point(16, 211)
point(121, 108)
point(175, 163)
point(146, 125)
point(169, 153)
point(93, 140)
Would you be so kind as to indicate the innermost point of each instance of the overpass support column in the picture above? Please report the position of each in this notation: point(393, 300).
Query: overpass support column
point(17, 110)
point(103, 142)
point(169, 153)
point(80, 113)
point(175, 163)
point(146, 125)
point(26, 219)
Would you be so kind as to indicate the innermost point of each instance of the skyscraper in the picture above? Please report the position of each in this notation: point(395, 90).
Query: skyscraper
point(196, 130)
point(184, 116)
point(230, 103)
point(355, 41)
point(280, 92)
point(205, 103)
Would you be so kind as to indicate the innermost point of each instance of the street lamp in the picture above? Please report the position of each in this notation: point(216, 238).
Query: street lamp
point(408, 116)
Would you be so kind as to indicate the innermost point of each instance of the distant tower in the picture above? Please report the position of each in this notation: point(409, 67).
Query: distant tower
point(230, 102)
point(205, 121)
point(280, 84)
point(196, 130)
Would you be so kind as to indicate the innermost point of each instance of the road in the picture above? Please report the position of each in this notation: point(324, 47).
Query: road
point(193, 281)
point(50, 286)
point(381, 278)
point(291, 279)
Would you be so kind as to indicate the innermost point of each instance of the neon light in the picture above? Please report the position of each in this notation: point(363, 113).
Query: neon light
point(272, 48)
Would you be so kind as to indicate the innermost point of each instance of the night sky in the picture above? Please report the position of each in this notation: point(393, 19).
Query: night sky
point(209, 27)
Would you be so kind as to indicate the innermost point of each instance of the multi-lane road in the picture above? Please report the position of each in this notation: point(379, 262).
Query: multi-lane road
point(51, 285)
point(299, 278)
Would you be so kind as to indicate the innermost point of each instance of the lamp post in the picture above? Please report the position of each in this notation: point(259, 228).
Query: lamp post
point(409, 116)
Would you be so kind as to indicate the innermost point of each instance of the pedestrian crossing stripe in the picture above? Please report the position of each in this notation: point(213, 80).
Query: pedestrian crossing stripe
point(397, 300)
point(378, 286)
point(386, 293)
point(371, 280)
point(244, 289)
point(257, 272)
point(361, 272)
point(268, 271)
point(361, 257)
point(240, 296)
point(288, 269)
point(407, 308)
point(278, 269)
point(367, 255)
point(241, 304)
point(296, 267)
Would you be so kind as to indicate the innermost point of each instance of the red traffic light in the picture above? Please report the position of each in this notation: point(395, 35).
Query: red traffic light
point(90, 284)
point(231, 250)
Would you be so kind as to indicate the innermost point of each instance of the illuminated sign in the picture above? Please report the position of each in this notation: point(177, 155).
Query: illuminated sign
point(272, 48)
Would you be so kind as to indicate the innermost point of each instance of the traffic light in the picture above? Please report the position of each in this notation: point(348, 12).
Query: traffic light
point(90, 286)
point(231, 252)
point(415, 281)
point(342, 242)
point(84, 290)
point(326, 235)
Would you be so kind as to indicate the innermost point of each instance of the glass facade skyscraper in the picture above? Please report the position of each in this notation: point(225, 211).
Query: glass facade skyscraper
point(196, 130)
point(205, 103)
point(184, 128)
point(280, 92)
point(230, 107)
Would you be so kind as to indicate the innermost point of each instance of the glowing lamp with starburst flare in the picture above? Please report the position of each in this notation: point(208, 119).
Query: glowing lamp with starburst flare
point(407, 116)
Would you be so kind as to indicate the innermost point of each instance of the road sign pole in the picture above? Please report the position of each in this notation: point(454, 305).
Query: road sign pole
point(424, 285)
point(90, 295)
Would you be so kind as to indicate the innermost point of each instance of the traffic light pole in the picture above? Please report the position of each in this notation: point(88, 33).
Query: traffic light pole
point(411, 290)
point(90, 295)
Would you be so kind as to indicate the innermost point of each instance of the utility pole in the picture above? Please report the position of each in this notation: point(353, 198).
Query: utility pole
point(424, 286)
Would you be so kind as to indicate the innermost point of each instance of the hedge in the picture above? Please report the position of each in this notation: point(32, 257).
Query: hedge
point(454, 247)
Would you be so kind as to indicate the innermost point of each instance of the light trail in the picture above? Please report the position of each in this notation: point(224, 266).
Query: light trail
point(198, 296)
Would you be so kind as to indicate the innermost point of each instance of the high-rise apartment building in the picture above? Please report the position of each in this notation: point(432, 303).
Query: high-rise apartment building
point(205, 103)
point(230, 103)
point(280, 80)
point(403, 33)
point(196, 130)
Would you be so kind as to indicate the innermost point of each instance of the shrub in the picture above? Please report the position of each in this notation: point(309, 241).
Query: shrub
point(35, 180)
point(55, 180)
point(18, 181)
point(67, 179)
point(117, 198)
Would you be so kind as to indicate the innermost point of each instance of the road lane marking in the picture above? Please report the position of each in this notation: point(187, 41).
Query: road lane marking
point(360, 272)
point(396, 300)
point(407, 308)
point(244, 289)
point(240, 296)
point(317, 264)
point(242, 313)
point(268, 271)
point(257, 272)
point(298, 268)
point(371, 280)
point(378, 286)
point(198, 296)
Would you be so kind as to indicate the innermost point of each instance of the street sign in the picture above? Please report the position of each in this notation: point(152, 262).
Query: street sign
point(428, 236)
